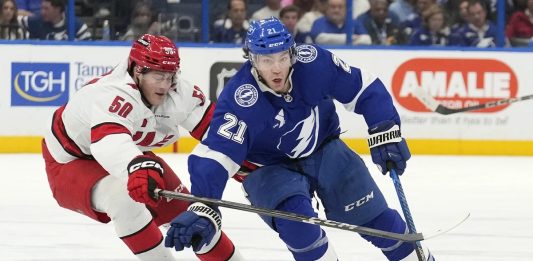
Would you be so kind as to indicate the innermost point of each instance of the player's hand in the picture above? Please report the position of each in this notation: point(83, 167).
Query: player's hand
point(145, 175)
point(387, 145)
point(246, 168)
point(195, 227)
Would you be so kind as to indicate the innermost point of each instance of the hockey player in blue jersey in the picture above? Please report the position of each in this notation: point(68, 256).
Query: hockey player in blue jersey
point(278, 113)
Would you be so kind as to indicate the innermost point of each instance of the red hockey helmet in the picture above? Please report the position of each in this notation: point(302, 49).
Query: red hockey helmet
point(155, 52)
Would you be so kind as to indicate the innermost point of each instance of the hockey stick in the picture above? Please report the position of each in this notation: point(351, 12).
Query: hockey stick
point(432, 104)
point(405, 209)
point(291, 216)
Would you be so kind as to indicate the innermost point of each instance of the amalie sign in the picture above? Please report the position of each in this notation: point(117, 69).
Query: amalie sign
point(455, 83)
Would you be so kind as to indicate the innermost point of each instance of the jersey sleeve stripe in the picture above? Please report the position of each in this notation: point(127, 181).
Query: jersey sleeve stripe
point(101, 130)
point(60, 133)
point(366, 80)
point(226, 162)
point(200, 129)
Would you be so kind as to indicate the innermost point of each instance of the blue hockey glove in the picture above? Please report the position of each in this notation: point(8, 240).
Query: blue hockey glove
point(387, 147)
point(195, 227)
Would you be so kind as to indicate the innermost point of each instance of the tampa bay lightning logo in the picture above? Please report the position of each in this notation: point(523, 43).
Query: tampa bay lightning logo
point(246, 95)
point(301, 140)
point(306, 53)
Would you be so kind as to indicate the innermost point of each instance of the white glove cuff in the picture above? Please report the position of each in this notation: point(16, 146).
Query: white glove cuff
point(203, 210)
point(392, 135)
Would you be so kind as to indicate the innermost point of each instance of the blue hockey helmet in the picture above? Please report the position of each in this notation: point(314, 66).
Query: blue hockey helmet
point(268, 36)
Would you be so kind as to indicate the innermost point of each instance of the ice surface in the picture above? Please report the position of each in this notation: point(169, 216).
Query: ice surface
point(497, 191)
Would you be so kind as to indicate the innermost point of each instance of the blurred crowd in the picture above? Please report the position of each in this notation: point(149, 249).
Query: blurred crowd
point(374, 22)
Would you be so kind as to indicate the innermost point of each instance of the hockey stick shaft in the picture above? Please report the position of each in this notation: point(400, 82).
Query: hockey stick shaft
point(435, 106)
point(291, 216)
point(406, 212)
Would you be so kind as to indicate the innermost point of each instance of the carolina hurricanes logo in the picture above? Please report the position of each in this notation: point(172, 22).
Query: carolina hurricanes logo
point(305, 133)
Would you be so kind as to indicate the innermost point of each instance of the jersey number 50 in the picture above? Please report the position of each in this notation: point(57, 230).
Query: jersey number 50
point(225, 129)
point(120, 108)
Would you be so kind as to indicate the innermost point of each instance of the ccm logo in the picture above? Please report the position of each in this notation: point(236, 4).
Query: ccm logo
point(359, 202)
point(275, 44)
point(455, 83)
point(145, 165)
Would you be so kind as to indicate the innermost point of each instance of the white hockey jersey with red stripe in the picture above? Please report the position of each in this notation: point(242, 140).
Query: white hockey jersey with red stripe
point(106, 120)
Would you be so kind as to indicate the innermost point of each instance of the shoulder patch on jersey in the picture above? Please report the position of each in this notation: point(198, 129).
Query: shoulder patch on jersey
point(246, 95)
point(341, 63)
point(306, 53)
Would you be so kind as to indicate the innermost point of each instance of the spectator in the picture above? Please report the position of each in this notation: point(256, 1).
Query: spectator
point(459, 16)
point(303, 27)
point(271, 8)
point(479, 32)
point(142, 22)
point(434, 30)
point(403, 9)
point(520, 27)
point(452, 7)
point(51, 24)
point(289, 16)
point(358, 6)
point(121, 11)
point(304, 5)
point(9, 26)
point(331, 28)
point(414, 21)
point(28, 7)
point(286, 2)
point(232, 29)
point(381, 24)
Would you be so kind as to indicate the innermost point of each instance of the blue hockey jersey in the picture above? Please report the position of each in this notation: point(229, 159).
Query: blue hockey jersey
point(254, 123)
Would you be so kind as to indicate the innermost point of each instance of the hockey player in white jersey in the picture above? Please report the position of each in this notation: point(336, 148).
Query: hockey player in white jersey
point(98, 149)
point(278, 112)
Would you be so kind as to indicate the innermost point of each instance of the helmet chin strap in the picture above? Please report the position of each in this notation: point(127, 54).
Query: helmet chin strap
point(287, 79)
point(261, 79)
point(143, 98)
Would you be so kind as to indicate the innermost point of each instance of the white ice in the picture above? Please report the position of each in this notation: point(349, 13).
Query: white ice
point(497, 191)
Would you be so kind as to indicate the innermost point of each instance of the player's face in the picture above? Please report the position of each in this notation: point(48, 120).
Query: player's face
point(155, 86)
point(274, 69)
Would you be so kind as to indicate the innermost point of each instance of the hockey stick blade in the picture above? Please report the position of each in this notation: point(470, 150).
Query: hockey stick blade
point(442, 231)
point(432, 104)
point(291, 216)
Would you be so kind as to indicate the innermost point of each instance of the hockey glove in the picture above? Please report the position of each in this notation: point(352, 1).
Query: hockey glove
point(195, 227)
point(246, 168)
point(145, 175)
point(387, 147)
